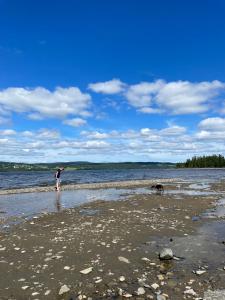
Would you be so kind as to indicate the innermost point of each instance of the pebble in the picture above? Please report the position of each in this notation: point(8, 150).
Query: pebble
point(200, 272)
point(64, 289)
point(122, 278)
point(123, 259)
point(86, 271)
point(155, 286)
point(140, 291)
point(190, 292)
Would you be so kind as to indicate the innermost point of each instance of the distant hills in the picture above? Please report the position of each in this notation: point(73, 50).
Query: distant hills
point(82, 165)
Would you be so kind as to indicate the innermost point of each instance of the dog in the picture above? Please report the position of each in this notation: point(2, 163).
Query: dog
point(158, 187)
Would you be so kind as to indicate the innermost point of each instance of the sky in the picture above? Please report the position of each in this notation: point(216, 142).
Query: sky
point(111, 81)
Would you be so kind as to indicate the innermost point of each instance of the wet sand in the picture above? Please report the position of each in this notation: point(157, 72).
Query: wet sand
point(117, 244)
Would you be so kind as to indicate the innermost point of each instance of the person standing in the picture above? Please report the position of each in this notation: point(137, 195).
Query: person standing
point(57, 178)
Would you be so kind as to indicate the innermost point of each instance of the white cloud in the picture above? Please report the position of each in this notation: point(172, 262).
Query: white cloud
point(7, 132)
point(76, 122)
point(213, 124)
point(40, 102)
point(95, 135)
point(178, 97)
point(184, 97)
point(141, 95)
point(110, 87)
point(173, 131)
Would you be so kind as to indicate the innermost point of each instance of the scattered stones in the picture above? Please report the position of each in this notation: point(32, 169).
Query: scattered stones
point(166, 254)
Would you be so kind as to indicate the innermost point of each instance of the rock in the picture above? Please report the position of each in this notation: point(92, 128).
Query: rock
point(190, 292)
point(200, 272)
point(161, 297)
point(155, 286)
point(140, 291)
point(166, 254)
point(86, 271)
point(127, 295)
point(123, 259)
point(64, 289)
point(122, 278)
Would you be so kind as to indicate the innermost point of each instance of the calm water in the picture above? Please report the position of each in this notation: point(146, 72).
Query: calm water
point(16, 207)
point(28, 179)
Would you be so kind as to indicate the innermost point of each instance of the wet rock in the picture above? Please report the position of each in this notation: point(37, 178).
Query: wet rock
point(64, 289)
point(166, 254)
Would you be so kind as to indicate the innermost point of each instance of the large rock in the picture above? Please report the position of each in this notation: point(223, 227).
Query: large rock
point(166, 254)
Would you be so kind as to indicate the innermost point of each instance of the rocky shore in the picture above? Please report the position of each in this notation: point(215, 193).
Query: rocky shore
point(148, 246)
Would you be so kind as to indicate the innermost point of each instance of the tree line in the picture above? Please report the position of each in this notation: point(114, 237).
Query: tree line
point(212, 161)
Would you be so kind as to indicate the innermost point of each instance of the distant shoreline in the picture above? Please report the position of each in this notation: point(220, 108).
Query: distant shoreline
point(99, 185)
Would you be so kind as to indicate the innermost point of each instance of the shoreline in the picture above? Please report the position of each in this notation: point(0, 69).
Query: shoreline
point(97, 185)
point(116, 245)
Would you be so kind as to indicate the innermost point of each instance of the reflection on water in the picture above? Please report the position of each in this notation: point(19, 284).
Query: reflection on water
point(58, 201)
point(28, 205)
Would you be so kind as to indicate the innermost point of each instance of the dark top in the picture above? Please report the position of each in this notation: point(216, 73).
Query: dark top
point(58, 173)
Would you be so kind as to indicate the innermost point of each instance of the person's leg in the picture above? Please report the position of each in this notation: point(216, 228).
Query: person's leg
point(57, 184)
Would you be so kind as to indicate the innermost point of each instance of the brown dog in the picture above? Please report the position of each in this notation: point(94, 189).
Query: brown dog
point(158, 187)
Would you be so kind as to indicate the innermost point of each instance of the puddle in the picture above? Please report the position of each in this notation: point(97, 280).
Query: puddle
point(203, 248)
point(218, 211)
point(27, 205)
point(199, 186)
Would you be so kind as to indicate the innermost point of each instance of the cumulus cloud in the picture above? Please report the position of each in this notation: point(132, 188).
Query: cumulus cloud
point(110, 87)
point(212, 124)
point(41, 102)
point(7, 132)
point(141, 95)
point(76, 122)
point(178, 97)
point(184, 97)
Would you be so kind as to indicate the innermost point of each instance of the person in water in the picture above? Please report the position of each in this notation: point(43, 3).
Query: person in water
point(57, 178)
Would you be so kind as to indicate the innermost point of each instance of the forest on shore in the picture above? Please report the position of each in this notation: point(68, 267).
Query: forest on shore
point(212, 161)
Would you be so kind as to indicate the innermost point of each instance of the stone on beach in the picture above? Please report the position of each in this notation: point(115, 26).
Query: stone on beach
point(64, 289)
point(86, 271)
point(123, 259)
point(166, 254)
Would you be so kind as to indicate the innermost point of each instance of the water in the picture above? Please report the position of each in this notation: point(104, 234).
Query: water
point(44, 178)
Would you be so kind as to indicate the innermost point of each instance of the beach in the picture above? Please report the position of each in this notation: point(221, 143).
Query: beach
point(110, 249)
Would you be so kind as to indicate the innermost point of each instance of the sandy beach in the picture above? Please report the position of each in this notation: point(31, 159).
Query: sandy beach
point(110, 249)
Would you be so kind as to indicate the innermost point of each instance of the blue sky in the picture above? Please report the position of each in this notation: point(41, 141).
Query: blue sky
point(95, 80)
